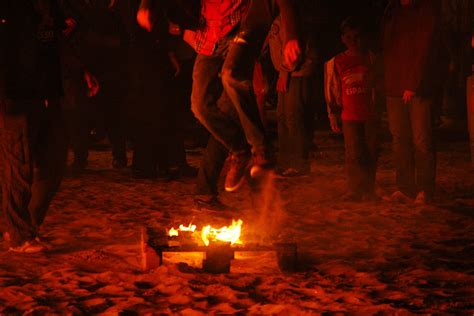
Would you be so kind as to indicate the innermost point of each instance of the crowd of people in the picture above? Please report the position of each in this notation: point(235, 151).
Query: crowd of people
point(138, 70)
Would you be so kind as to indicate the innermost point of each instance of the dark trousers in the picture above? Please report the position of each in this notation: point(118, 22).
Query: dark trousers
point(77, 116)
point(295, 128)
point(110, 107)
point(470, 113)
point(208, 86)
point(33, 154)
point(215, 155)
point(413, 147)
point(151, 151)
point(361, 152)
point(211, 166)
point(238, 69)
point(152, 112)
point(237, 78)
point(182, 117)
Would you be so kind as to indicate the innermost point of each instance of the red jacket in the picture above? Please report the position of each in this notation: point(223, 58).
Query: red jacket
point(350, 87)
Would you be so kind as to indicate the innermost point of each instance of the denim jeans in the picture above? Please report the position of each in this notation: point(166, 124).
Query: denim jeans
point(33, 150)
point(413, 146)
point(215, 155)
point(361, 153)
point(206, 91)
point(237, 76)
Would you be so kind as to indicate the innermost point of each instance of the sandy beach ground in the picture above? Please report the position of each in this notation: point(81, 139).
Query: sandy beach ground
point(358, 258)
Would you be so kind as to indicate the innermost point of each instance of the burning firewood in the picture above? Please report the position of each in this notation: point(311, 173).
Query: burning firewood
point(217, 244)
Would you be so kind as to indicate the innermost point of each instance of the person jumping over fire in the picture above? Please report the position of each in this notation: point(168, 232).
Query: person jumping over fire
point(225, 61)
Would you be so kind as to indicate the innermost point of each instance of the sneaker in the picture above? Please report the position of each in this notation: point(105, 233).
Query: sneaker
point(31, 246)
point(261, 163)
point(399, 197)
point(239, 164)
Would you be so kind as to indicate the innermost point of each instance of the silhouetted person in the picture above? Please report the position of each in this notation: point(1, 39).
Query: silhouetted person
point(151, 107)
point(296, 94)
point(33, 145)
point(79, 85)
point(107, 44)
point(413, 75)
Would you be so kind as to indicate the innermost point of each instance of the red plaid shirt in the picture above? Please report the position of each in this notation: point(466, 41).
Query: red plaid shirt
point(218, 18)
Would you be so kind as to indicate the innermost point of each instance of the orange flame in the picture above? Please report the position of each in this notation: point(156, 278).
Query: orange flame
point(227, 234)
point(175, 232)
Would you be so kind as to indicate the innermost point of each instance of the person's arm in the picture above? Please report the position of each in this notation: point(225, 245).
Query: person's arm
point(92, 83)
point(292, 49)
point(332, 93)
point(143, 15)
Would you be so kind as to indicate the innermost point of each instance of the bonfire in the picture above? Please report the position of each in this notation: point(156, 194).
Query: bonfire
point(227, 234)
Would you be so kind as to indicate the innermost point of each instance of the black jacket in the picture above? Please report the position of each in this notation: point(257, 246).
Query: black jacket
point(29, 50)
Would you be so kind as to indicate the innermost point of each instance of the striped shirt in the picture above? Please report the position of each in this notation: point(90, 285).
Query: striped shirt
point(218, 19)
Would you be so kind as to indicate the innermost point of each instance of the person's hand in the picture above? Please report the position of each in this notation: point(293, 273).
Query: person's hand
point(143, 18)
point(292, 53)
point(334, 120)
point(282, 83)
point(70, 26)
point(92, 84)
point(408, 96)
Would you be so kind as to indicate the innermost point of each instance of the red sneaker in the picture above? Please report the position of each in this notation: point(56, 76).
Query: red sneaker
point(31, 246)
point(239, 164)
point(262, 162)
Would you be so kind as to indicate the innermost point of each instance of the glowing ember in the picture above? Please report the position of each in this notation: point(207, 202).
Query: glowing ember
point(227, 234)
point(173, 232)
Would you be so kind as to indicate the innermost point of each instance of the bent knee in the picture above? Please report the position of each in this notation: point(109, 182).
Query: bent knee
point(231, 80)
point(198, 110)
point(228, 76)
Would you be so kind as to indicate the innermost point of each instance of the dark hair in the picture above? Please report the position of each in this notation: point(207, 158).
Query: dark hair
point(352, 23)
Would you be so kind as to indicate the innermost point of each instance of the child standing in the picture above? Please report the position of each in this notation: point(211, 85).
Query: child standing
point(350, 94)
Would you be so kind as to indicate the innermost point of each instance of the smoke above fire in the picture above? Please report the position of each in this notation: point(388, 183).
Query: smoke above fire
point(268, 225)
